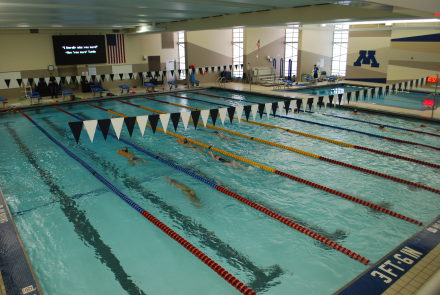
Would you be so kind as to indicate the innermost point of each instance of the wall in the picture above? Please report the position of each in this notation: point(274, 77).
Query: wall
point(271, 44)
point(30, 54)
point(371, 38)
point(315, 47)
point(414, 53)
point(403, 51)
point(209, 48)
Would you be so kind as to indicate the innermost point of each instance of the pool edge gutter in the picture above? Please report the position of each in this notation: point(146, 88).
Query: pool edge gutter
point(31, 284)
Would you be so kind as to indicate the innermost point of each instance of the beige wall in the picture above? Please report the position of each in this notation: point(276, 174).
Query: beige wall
point(22, 51)
point(271, 44)
point(315, 47)
point(209, 48)
point(372, 39)
point(410, 60)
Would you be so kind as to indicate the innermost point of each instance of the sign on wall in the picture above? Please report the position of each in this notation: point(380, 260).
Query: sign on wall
point(366, 57)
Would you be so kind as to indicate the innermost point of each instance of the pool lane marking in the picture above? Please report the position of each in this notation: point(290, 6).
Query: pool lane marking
point(260, 208)
point(319, 137)
point(365, 170)
point(233, 281)
point(374, 123)
point(292, 177)
point(328, 125)
point(81, 224)
point(256, 206)
point(263, 277)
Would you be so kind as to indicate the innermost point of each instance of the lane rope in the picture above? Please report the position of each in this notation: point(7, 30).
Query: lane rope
point(236, 196)
point(233, 281)
point(374, 123)
point(390, 177)
point(328, 125)
point(319, 137)
point(294, 178)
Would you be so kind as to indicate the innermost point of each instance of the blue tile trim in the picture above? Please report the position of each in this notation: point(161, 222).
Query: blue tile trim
point(394, 265)
point(17, 273)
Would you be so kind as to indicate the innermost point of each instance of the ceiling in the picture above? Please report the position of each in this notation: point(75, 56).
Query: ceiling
point(130, 14)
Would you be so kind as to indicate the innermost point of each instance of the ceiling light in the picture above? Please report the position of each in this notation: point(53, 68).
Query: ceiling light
point(390, 22)
point(148, 28)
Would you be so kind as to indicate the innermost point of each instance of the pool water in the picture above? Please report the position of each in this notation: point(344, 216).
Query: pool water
point(408, 100)
point(82, 239)
point(329, 90)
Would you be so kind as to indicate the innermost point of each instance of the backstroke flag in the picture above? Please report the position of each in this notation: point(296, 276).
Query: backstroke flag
point(115, 49)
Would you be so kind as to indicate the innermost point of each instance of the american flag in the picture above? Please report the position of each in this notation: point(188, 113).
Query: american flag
point(115, 49)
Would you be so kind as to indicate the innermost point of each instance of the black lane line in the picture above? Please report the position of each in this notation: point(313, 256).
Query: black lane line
point(263, 278)
point(74, 197)
point(83, 228)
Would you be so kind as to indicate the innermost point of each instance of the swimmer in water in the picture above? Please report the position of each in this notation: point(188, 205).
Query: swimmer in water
point(224, 161)
point(185, 142)
point(132, 159)
point(189, 192)
point(222, 136)
point(355, 112)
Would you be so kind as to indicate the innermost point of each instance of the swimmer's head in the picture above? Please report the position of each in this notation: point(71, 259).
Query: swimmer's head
point(185, 140)
point(125, 149)
point(355, 110)
point(215, 132)
point(381, 127)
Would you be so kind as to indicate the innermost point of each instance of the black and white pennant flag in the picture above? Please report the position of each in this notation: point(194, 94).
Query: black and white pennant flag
point(90, 126)
point(153, 119)
point(76, 128)
point(142, 123)
point(205, 115)
point(129, 123)
point(164, 119)
point(117, 125)
point(195, 115)
point(222, 112)
point(214, 115)
point(231, 112)
point(239, 112)
point(254, 110)
point(104, 126)
point(185, 119)
point(175, 117)
point(268, 108)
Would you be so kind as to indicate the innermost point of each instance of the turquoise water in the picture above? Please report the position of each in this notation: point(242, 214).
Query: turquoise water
point(407, 100)
point(330, 90)
point(82, 239)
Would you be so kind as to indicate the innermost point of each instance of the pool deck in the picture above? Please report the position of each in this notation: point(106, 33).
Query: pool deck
point(411, 268)
point(17, 275)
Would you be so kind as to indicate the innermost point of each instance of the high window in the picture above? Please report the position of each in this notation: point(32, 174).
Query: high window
point(237, 52)
point(182, 53)
point(291, 49)
point(340, 45)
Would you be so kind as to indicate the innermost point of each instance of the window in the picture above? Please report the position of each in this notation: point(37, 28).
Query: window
point(340, 45)
point(182, 53)
point(237, 52)
point(291, 49)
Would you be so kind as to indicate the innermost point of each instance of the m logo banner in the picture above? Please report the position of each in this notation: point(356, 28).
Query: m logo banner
point(367, 59)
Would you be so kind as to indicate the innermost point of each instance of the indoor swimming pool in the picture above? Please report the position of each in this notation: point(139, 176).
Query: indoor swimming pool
point(83, 237)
